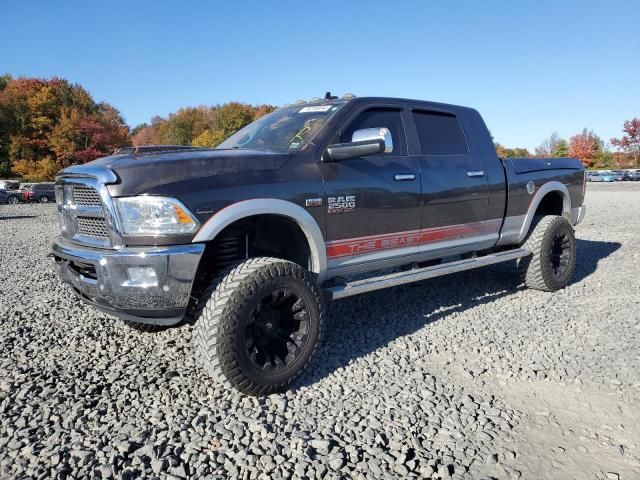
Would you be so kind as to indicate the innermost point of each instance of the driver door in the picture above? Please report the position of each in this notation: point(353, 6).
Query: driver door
point(373, 203)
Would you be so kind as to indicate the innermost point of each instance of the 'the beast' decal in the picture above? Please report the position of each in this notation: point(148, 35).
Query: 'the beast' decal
point(342, 204)
point(356, 246)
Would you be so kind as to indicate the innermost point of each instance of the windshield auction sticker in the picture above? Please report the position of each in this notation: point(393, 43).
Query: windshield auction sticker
point(315, 108)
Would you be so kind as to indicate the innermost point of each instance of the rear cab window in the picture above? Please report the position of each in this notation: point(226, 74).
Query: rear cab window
point(440, 133)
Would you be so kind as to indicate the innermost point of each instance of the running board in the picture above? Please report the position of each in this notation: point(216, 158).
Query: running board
point(400, 278)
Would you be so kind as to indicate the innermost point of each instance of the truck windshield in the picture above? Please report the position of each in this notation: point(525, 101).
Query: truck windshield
point(287, 129)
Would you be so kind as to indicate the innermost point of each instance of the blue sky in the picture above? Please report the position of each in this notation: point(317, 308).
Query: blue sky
point(530, 67)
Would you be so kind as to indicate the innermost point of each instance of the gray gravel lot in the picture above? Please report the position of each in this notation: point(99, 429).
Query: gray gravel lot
point(467, 376)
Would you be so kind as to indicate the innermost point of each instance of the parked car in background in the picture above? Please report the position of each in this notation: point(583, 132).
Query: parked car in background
point(618, 175)
point(600, 177)
point(39, 192)
point(9, 196)
point(631, 175)
point(9, 185)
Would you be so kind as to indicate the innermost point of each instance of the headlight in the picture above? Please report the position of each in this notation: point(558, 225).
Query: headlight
point(148, 215)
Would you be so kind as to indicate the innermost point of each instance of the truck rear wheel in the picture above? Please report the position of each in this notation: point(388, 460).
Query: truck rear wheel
point(260, 326)
point(553, 259)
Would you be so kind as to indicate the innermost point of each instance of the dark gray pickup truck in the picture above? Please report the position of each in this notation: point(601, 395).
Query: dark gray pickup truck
point(250, 239)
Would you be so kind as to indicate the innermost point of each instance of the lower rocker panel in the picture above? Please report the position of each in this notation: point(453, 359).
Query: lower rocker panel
point(400, 278)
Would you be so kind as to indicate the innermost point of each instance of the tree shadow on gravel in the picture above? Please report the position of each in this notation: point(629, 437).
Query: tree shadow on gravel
point(17, 217)
point(357, 326)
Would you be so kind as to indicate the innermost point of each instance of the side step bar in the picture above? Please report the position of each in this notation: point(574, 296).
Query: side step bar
point(400, 278)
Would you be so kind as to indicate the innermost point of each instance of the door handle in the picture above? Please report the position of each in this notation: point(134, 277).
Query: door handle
point(475, 173)
point(404, 177)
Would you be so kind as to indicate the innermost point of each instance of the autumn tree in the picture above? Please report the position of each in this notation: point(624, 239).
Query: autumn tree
point(504, 152)
point(48, 124)
point(586, 146)
point(630, 143)
point(199, 126)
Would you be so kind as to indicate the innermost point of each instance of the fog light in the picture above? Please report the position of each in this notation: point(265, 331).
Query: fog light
point(141, 277)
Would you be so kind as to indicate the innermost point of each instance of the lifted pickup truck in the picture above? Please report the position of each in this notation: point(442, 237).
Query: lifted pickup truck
point(249, 239)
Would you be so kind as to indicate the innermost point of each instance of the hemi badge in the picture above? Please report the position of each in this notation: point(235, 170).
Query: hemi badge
point(313, 202)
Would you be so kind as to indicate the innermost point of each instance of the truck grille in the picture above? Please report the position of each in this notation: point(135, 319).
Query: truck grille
point(86, 196)
point(93, 228)
point(83, 213)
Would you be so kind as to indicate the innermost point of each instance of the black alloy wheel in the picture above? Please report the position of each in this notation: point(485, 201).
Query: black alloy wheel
point(277, 330)
point(560, 255)
point(552, 244)
point(259, 324)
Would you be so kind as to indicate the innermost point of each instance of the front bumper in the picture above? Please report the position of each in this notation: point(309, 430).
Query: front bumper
point(578, 214)
point(100, 278)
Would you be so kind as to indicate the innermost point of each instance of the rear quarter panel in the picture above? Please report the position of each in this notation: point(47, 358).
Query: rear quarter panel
point(521, 203)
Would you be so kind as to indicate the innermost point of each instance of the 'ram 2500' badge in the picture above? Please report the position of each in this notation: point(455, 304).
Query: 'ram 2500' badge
point(343, 204)
point(313, 202)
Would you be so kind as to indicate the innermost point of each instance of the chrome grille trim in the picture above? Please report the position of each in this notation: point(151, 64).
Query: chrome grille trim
point(86, 211)
point(86, 196)
point(92, 228)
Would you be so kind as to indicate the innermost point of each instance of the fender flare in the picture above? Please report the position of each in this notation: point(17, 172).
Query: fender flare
point(270, 206)
point(553, 186)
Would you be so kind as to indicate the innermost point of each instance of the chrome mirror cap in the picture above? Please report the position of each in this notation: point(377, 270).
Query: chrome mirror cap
point(381, 133)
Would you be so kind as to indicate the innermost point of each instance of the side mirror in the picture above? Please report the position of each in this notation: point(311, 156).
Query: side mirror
point(367, 141)
point(381, 133)
point(341, 151)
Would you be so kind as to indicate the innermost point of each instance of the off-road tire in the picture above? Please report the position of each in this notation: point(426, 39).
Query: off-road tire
point(222, 323)
point(548, 234)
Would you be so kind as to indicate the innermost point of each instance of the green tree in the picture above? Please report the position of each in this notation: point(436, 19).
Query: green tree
point(4, 80)
point(561, 149)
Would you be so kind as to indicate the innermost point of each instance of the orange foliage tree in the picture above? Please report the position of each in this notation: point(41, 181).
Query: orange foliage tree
point(630, 143)
point(199, 126)
point(585, 146)
point(49, 124)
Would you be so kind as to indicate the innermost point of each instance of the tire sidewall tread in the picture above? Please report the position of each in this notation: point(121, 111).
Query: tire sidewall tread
point(534, 269)
point(225, 307)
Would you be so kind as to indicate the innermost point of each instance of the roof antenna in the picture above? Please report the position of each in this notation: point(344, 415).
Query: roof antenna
point(328, 96)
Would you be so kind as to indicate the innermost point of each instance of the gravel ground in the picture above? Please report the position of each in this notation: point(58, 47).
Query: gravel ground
point(467, 376)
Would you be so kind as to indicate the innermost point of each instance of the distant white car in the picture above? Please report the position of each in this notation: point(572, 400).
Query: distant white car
point(600, 177)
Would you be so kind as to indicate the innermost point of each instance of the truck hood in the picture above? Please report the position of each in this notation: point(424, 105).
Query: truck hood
point(143, 173)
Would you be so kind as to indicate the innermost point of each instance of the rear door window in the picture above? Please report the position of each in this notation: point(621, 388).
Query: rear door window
point(440, 133)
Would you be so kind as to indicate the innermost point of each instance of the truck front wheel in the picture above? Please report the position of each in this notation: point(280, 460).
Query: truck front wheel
point(553, 254)
point(260, 325)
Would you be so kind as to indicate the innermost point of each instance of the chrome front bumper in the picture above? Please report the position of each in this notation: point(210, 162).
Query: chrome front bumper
point(578, 214)
point(100, 278)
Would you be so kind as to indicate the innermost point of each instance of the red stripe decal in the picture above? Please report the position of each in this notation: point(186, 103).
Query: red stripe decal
point(373, 243)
